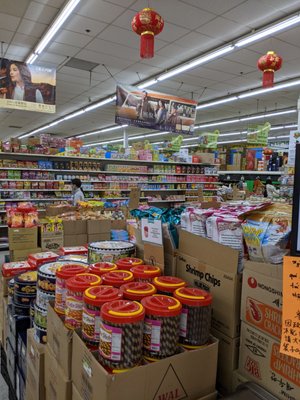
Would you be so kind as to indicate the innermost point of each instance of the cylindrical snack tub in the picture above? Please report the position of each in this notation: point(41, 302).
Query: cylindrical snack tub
point(161, 327)
point(31, 313)
point(195, 317)
point(109, 251)
point(117, 278)
point(40, 334)
point(26, 283)
point(145, 273)
point(101, 268)
point(136, 291)
point(74, 258)
point(40, 317)
point(43, 298)
point(62, 274)
point(74, 299)
point(121, 334)
point(128, 262)
point(10, 287)
point(22, 299)
point(93, 300)
point(168, 284)
point(20, 309)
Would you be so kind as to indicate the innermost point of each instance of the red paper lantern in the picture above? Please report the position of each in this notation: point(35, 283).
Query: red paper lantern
point(269, 63)
point(147, 23)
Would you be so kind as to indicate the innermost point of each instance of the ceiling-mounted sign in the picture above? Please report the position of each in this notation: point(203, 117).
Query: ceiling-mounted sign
point(155, 110)
point(258, 134)
point(27, 87)
point(209, 140)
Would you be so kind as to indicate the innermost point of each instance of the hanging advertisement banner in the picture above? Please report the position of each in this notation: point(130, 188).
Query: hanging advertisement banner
point(154, 110)
point(258, 134)
point(294, 139)
point(209, 140)
point(27, 87)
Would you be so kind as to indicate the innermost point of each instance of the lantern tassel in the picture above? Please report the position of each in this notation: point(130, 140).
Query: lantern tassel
point(147, 44)
point(268, 78)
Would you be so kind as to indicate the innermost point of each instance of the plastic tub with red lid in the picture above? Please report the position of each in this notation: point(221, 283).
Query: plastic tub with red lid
point(93, 300)
point(117, 278)
point(195, 318)
point(74, 299)
point(145, 273)
point(62, 274)
point(161, 327)
point(137, 290)
point(128, 262)
point(101, 268)
point(168, 284)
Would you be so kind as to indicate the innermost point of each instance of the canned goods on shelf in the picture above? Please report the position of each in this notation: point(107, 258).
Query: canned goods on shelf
point(121, 334)
point(74, 298)
point(128, 262)
point(195, 320)
point(62, 274)
point(109, 251)
point(117, 278)
point(145, 273)
point(93, 300)
point(74, 257)
point(101, 268)
point(137, 290)
point(40, 317)
point(168, 284)
point(161, 327)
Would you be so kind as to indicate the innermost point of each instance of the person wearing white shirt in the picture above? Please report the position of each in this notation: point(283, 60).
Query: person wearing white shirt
point(77, 193)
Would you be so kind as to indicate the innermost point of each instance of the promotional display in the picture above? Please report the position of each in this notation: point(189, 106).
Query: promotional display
point(258, 134)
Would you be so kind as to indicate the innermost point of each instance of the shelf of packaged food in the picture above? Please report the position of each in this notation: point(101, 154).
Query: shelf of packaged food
point(198, 196)
point(39, 210)
point(3, 226)
point(105, 181)
point(69, 157)
point(30, 200)
point(166, 201)
point(36, 190)
point(257, 173)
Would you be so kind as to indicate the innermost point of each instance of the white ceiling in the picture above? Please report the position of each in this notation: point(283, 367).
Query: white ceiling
point(191, 28)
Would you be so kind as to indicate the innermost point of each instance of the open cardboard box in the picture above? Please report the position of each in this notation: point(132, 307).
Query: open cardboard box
point(190, 374)
point(213, 267)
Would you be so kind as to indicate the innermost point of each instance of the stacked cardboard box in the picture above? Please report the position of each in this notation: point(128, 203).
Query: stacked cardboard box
point(75, 233)
point(213, 267)
point(35, 381)
point(22, 242)
point(51, 236)
point(98, 230)
point(260, 358)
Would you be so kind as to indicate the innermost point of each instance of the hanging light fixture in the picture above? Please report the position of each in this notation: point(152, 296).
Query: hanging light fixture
point(269, 63)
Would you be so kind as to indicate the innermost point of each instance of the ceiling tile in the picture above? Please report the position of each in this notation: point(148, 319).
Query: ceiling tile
point(72, 38)
point(52, 3)
point(103, 46)
point(31, 28)
point(100, 10)
point(288, 51)
point(114, 63)
point(20, 40)
point(6, 36)
point(39, 12)
point(223, 29)
point(9, 22)
point(197, 43)
point(79, 24)
point(63, 49)
point(218, 7)
point(16, 8)
point(17, 52)
point(123, 3)
point(291, 36)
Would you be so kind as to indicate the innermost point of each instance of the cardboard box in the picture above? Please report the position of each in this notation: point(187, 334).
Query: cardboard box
point(213, 267)
point(75, 227)
point(11, 363)
point(170, 264)
point(228, 360)
point(212, 396)
point(59, 339)
point(75, 393)
point(16, 324)
point(75, 240)
point(96, 237)
point(20, 384)
point(118, 224)
point(51, 241)
point(57, 386)
point(99, 226)
point(154, 255)
point(21, 255)
point(35, 376)
point(262, 297)
point(5, 321)
point(261, 362)
point(237, 380)
point(22, 238)
point(174, 377)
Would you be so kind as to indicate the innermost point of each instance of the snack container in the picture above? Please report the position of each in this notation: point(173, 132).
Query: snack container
point(161, 327)
point(195, 320)
point(121, 334)
point(168, 284)
point(62, 274)
point(43, 299)
point(117, 278)
point(21, 309)
point(74, 298)
point(145, 273)
point(15, 268)
point(101, 268)
point(93, 300)
point(74, 257)
point(40, 334)
point(40, 317)
point(38, 259)
point(136, 291)
point(26, 283)
point(10, 288)
point(31, 313)
point(109, 251)
point(82, 250)
point(128, 262)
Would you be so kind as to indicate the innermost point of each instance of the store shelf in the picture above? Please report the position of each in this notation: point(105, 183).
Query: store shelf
point(3, 226)
point(3, 245)
point(250, 173)
point(30, 200)
point(166, 201)
point(36, 190)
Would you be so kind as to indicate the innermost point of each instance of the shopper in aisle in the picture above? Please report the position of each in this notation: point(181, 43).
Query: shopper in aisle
point(20, 85)
point(77, 192)
point(270, 190)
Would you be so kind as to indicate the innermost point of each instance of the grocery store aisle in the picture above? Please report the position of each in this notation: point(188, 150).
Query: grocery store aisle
point(3, 386)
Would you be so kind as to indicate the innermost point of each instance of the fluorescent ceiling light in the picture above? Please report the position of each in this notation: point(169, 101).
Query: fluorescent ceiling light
point(287, 23)
point(196, 62)
point(272, 89)
point(230, 121)
point(73, 115)
point(100, 103)
point(232, 141)
point(147, 84)
point(112, 128)
point(214, 103)
point(274, 114)
point(31, 59)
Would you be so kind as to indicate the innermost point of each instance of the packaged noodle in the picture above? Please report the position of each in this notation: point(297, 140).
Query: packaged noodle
point(267, 233)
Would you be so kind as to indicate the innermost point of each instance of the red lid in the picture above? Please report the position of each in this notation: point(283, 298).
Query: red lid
point(122, 311)
point(168, 283)
point(193, 296)
point(98, 295)
point(137, 290)
point(117, 278)
point(79, 283)
point(128, 262)
point(145, 271)
point(69, 270)
point(101, 268)
point(162, 305)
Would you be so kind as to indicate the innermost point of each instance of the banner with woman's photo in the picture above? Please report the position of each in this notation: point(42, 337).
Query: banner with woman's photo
point(155, 110)
point(27, 87)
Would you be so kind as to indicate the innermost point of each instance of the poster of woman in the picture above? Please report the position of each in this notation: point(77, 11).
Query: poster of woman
point(27, 87)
